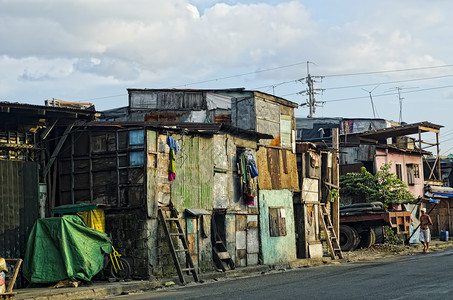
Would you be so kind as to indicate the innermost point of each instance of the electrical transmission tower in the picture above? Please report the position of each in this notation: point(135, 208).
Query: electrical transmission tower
point(311, 92)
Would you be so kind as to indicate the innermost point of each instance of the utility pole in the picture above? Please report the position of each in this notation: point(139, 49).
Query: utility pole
point(311, 92)
point(400, 99)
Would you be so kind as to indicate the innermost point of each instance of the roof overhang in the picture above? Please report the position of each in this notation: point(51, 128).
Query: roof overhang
point(186, 128)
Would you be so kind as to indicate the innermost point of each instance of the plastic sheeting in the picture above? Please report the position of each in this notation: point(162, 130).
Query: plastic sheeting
point(64, 248)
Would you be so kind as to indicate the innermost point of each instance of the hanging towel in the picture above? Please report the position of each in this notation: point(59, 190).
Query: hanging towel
point(173, 144)
point(172, 161)
point(252, 166)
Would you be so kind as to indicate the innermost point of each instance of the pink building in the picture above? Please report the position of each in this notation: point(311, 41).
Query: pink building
point(401, 146)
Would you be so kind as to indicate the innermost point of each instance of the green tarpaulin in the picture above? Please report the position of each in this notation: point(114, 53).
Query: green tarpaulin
point(64, 248)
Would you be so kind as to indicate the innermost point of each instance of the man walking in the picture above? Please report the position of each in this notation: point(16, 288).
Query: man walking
point(425, 234)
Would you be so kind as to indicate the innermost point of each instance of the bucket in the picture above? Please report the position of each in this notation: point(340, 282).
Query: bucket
point(444, 236)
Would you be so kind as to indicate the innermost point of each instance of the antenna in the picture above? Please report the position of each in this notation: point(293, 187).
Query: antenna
point(371, 99)
point(400, 99)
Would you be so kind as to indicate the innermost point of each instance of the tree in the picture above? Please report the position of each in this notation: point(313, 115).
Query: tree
point(384, 187)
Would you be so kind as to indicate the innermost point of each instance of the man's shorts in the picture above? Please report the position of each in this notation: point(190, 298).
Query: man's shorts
point(425, 235)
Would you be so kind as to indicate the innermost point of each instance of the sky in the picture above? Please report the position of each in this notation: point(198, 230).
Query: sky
point(399, 52)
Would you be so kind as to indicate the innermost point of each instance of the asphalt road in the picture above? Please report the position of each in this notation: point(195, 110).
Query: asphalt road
point(422, 276)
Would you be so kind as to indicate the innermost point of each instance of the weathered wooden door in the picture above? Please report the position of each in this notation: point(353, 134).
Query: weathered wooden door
point(247, 240)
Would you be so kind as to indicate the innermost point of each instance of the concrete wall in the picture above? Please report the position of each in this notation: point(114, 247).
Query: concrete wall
point(403, 159)
point(281, 248)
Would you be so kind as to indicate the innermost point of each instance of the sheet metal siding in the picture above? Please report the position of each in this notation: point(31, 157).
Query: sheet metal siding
point(243, 113)
point(226, 185)
point(193, 186)
point(268, 118)
point(162, 100)
point(18, 190)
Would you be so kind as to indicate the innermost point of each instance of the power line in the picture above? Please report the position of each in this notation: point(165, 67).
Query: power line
point(99, 98)
point(387, 82)
point(388, 71)
point(244, 74)
point(389, 94)
point(324, 76)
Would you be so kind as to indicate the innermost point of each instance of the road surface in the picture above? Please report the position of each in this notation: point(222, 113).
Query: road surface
point(421, 276)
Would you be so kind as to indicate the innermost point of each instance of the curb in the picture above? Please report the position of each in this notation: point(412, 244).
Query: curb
point(96, 291)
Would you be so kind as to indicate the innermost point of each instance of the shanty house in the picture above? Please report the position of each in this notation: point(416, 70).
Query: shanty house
point(372, 149)
point(30, 138)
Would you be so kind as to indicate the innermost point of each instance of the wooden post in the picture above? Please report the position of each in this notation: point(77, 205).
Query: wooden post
point(336, 180)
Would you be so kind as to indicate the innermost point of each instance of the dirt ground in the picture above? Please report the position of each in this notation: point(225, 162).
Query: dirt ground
point(386, 250)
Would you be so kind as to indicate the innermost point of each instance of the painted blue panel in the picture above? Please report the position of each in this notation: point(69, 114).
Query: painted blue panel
point(136, 137)
point(136, 158)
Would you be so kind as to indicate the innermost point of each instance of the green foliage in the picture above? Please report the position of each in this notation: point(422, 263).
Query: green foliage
point(334, 195)
point(384, 187)
point(391, 237)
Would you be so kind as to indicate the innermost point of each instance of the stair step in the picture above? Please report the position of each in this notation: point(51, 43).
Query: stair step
point(171, 219)
point(182, 250)
point(176, 234)
point(187, 269)
point(223, 255)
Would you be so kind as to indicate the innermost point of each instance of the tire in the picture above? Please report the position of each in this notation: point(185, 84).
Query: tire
point(124, 272)
point(349, 238)
point(367, 238)
point(379, 232)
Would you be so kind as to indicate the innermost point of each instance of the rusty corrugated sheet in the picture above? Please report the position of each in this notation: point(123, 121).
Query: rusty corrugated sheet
point(345, 169)
point(272, 172)
point(223, 118)
point(273, 158)
point(264, 179)
point(164, 116)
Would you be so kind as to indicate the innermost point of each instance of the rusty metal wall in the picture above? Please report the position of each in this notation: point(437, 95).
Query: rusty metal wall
point(18, 205)
point(168, 100)
point(277, 169)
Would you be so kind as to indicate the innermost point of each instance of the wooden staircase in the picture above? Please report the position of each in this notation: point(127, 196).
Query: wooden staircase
point(221, 256)
point(331, 238)
point(168, 215)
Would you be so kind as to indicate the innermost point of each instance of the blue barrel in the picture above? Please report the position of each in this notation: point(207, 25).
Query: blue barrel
point(444, 236)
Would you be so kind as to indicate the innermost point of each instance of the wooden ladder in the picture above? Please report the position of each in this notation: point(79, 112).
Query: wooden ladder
point(221, 255)
point(167, 222)
point(332, 241)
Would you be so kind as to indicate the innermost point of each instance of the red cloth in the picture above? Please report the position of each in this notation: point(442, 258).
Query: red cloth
point(171, 176)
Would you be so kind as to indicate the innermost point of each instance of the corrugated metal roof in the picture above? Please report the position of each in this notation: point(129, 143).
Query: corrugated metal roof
point(48, 111)
point(402, 130)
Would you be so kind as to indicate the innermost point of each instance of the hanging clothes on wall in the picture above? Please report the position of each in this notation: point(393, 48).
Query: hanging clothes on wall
point(249, 173)
point(174, 148)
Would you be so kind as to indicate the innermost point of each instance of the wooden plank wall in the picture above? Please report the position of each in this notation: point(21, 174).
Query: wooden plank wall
point(441, 216)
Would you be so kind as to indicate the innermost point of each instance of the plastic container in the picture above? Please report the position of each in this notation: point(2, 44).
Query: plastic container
point(444, 236)
point(2, 282)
